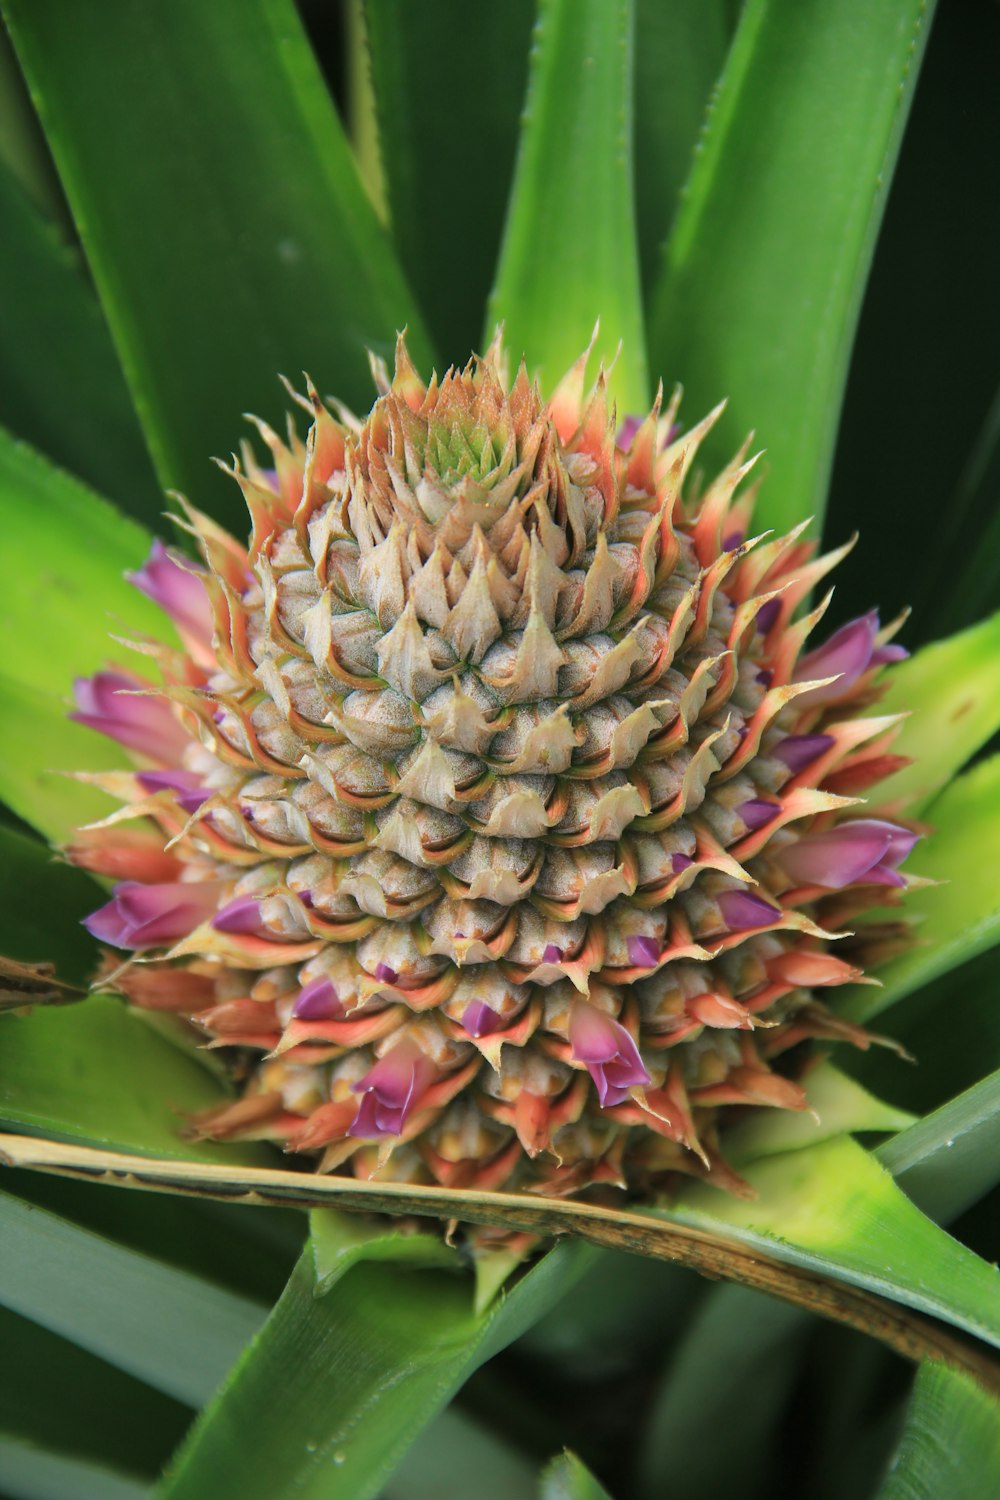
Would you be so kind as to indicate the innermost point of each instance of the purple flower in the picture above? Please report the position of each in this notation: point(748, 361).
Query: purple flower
point(241, 916)
point(176, 586)
point(190, 791)
point(385, 973)
point(318, 1001)
point(643, 952)
point(742, 910)
point(865, 850)
point(120, 706)
point(757, 812)
point(848, 653)
point(152, 916)
point(552, 954)
point(389, 1091)
point(679, 862)
point(800, 750)
point(480, 1019)
point(767, 614)
point(608, 1052)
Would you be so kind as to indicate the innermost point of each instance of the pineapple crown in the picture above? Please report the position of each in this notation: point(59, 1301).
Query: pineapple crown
point(493, 817)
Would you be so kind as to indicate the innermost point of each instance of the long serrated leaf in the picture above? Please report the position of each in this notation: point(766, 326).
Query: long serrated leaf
point(765, 269)
point(250, 249)
point(959, 917)
point(65, 554)
point(336, 1387)
point(42, 904)
point(457, 1456)
point(566, 1478)
point(569, 252)
point(950, 692)
point(679, 52)
point(27, 1471)
point(173, 1330)
point(61, 386)
point(95, 1073)
point(951, 1442)
point(433, 68)
point(833, 1209)
point(948, 1160)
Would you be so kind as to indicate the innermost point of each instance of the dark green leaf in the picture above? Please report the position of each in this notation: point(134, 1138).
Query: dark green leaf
point(569, 252)
point(566, 1478)
point(948, 1160)
point(61, 386)
point(42, 903)
point(97, 1074)
point(36, 1474)
point(250, 248)
point(679, 53)
point(456, 1457)
point(449, 82)
point(766, 266)
point(951, 1443)
point(63, 1405)
point(174, 1331)
point(335, 1388)
point(732, 1373)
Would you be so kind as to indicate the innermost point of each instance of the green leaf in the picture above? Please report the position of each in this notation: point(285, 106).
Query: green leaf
point(65, 553)
point(569, 251)
point(250, 249)
point(765, 269)
point(833, 1209)
point(731, 1373)
point(39, 746)
point(335, 1388)
point(456, 1457)
point(433, 68)
point(679, 53)
point(61, 386)
point(951, 692)
point(958, 918)
point(951, 1443)
point(566, 1478)
point(94, 1073)
point(64, 1410)
point(951, 1158)
point(341, 1240)
point(837, 1106)
point(173, 1330)
point(33, 887)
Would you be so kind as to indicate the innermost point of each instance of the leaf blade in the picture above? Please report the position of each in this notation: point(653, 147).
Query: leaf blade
point(951, 1444)
point(551, 284)
point(763, 276)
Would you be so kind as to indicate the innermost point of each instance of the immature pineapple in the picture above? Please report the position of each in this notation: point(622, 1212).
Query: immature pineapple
point(493, 811)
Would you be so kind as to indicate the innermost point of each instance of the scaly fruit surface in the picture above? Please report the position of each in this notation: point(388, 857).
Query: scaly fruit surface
point(494, 817)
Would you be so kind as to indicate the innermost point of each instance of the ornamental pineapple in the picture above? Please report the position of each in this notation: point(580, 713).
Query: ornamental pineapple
point(493, 817)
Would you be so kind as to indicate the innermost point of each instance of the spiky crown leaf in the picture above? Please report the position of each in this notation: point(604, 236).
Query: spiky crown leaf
point(495, 813)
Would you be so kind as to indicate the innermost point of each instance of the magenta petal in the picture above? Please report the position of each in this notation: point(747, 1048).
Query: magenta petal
point(742, 909)
point(241, 916)
point(643, 952)
point(190, 791)
point(845, 656)
point(317, 1001)
point(607, 1051)
point(625, 435)
point(121, 707)
point(850, 852)
point(386, 974)
point(552, 954)
point(480, 1019)
point(152, 916)
point(390, 1089)
point(800, 750)
point(679, 862)
point(767, 614)
point(883, 655)
point(757, 812)
point(177, 588)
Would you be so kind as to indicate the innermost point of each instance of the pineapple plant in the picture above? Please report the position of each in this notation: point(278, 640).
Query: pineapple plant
point(504, 834)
